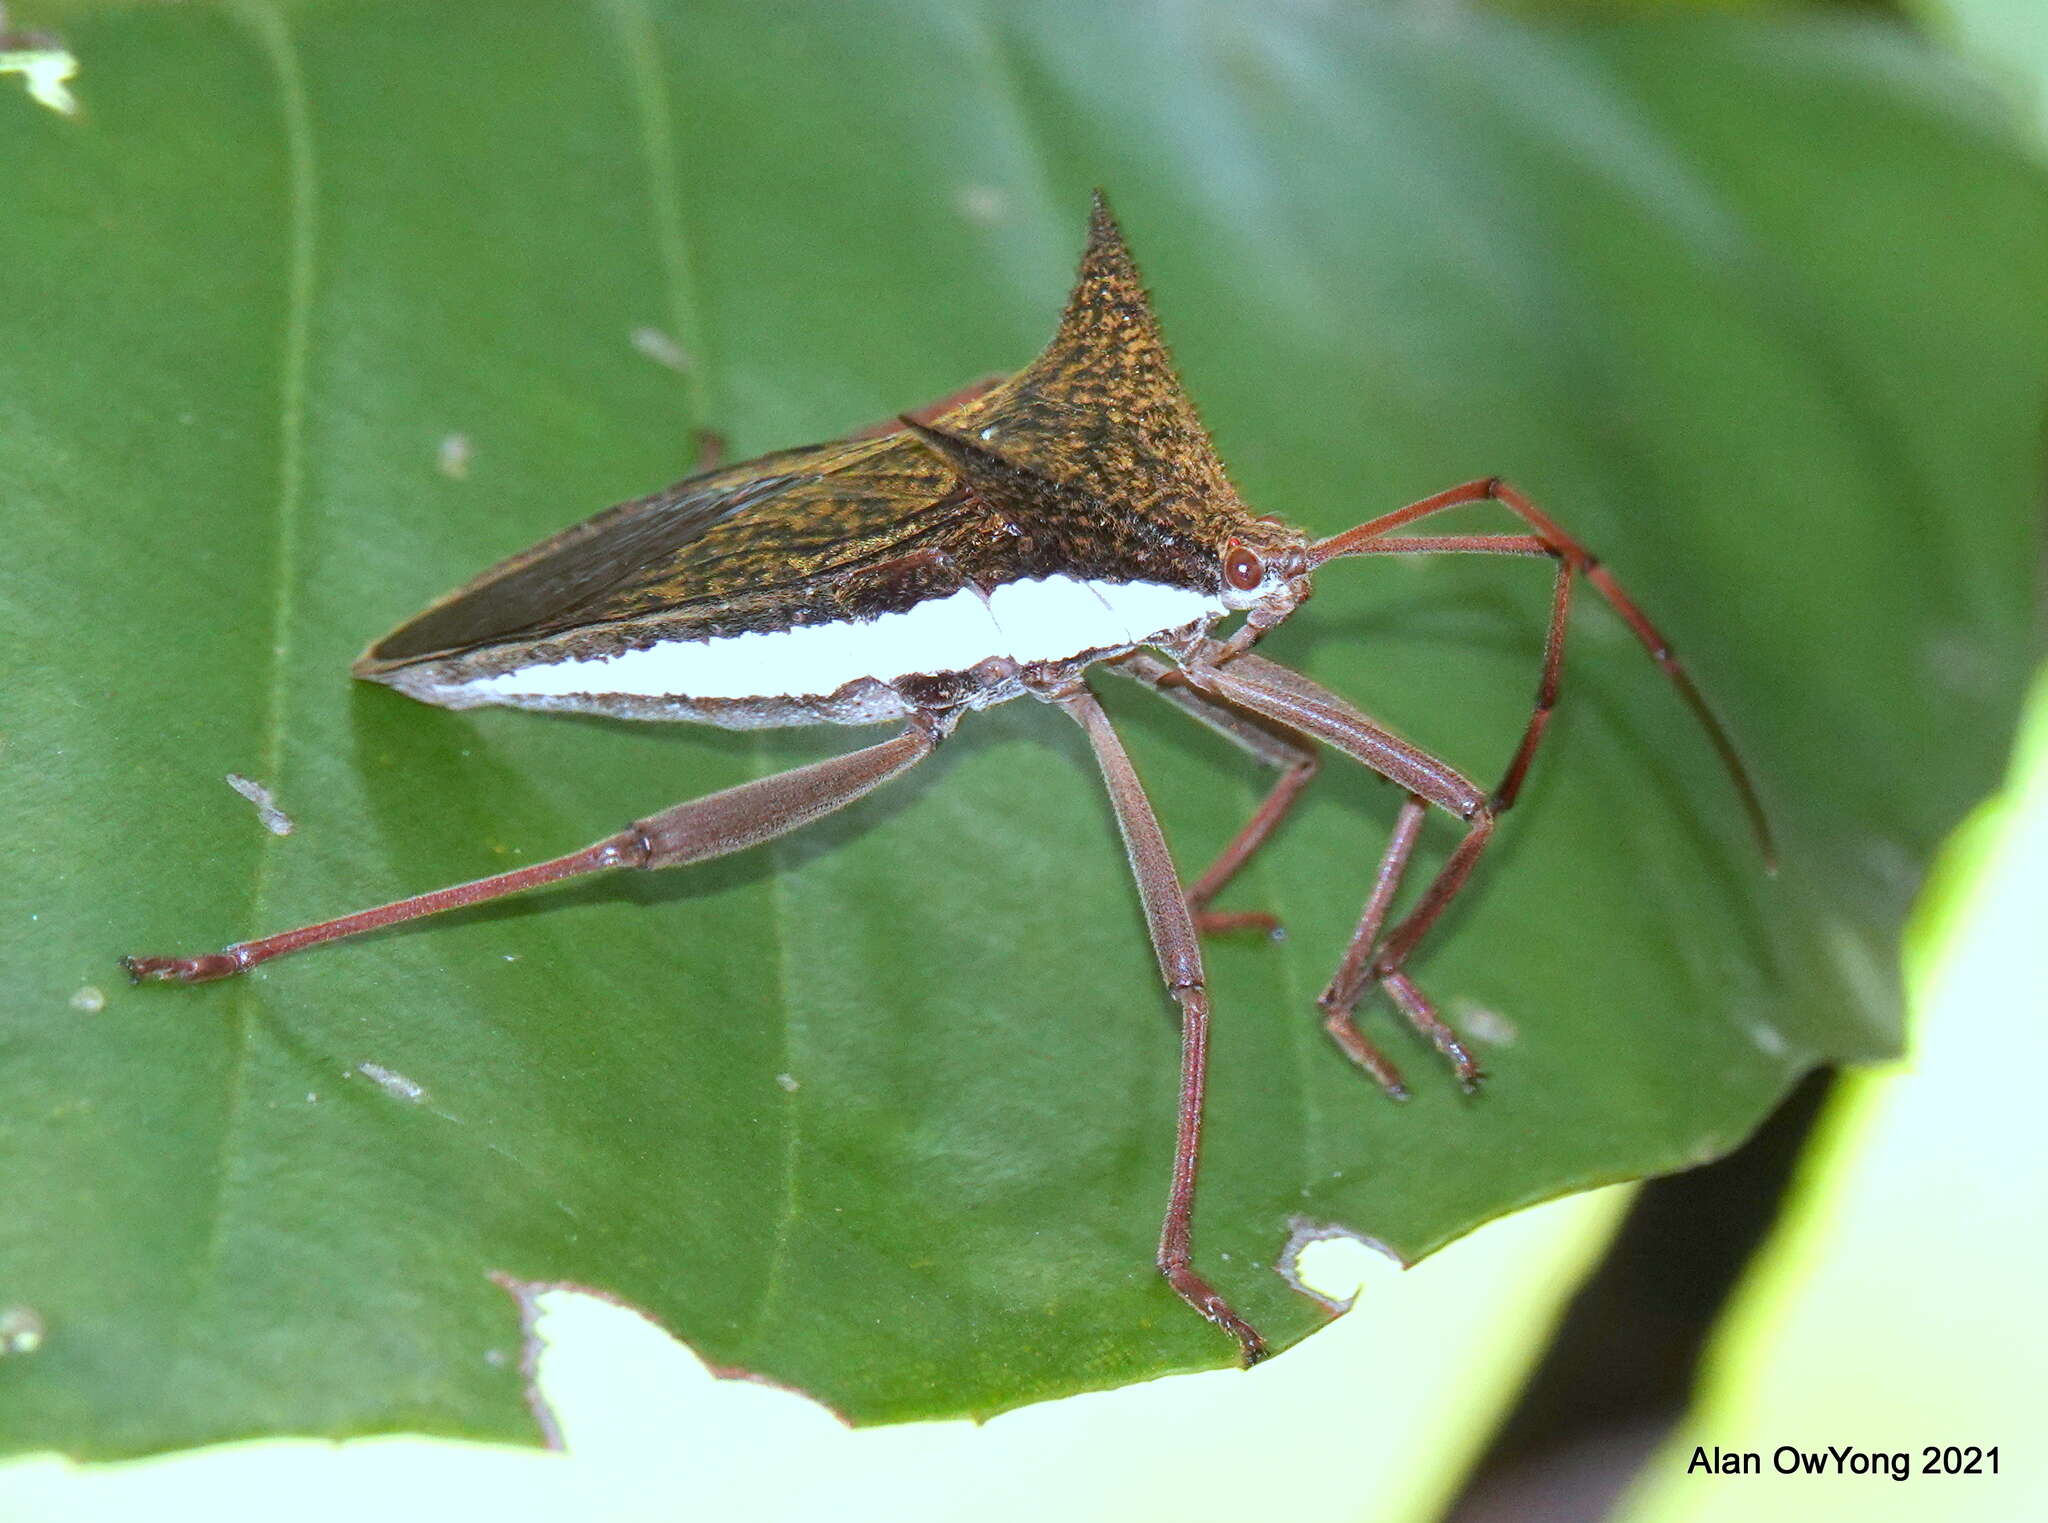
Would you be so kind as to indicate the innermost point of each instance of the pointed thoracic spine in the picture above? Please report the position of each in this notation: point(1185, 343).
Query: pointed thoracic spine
point(1102, 412)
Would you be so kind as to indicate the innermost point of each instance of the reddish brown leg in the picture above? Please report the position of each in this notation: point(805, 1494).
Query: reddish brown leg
point(1289, 750)
point(1553, 641)
point(1510, 787)
point(1179, 950)
point(1385, 967)
point(1274, 692)
point(691, 832)
point(1254, 683)
point(1368, 960)
point(1422, 1016)
point(1340, 1018)
point(1549, 539)
point(1287, 746)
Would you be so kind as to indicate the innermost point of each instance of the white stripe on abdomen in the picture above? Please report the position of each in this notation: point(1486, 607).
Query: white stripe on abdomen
point(1049, 619)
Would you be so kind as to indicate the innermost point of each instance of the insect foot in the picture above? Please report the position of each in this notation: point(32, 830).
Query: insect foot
point(1198, 1293)
point(1342, 1025)
point(204, 969)
point(1340, 1020)
point(1422, 1015)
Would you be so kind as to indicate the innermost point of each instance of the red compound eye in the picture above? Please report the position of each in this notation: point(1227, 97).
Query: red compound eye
point(1242, 567)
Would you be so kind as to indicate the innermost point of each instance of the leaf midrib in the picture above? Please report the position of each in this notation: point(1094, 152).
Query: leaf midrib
point(267, 26)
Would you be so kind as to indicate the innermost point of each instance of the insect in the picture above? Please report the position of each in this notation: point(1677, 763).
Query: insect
point(1000, 543)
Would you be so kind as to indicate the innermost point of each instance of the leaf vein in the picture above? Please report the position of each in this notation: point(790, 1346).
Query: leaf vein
point(267, 24)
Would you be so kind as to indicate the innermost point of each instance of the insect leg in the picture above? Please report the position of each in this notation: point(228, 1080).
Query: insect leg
point(690, 832)
point(1265, 688)
point(1179, 951)
point(1278, 745)
point(1288, 747)
point(1371, 538)
point(1547, 685)
point(1340, 1015)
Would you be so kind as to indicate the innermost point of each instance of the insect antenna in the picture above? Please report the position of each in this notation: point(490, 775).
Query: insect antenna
point(1375, 537)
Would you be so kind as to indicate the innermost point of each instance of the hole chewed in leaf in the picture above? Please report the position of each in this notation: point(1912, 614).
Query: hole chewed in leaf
point(524, 1294)
point(540, 1300)
point(44, 64)
point(1309, 1269)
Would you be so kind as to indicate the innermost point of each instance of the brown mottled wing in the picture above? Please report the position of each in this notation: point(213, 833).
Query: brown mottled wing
point(742, 532)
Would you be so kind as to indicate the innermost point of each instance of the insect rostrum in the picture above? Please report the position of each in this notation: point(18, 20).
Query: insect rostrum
point(1073, 515)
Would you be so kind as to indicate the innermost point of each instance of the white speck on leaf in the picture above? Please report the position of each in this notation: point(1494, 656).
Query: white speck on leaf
point(661, 348)
point(274, 819)
point(90, 1000)
point(453, 459)
point(21, 1330)
point(392, 1082)
point(1484, 1024)
point(981, 203)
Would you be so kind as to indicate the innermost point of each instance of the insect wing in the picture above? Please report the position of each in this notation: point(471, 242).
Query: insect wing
point(736, 532)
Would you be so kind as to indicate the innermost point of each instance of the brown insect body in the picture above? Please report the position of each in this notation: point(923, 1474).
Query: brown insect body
point(1090, 464)
point(1073, 515)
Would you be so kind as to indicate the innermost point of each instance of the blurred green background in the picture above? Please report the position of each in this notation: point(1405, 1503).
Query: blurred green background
point(1773, 277)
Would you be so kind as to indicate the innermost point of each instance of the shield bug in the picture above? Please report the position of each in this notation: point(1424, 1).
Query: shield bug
point(998, 544)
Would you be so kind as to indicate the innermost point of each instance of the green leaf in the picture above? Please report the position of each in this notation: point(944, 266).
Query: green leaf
point(884, 1112)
